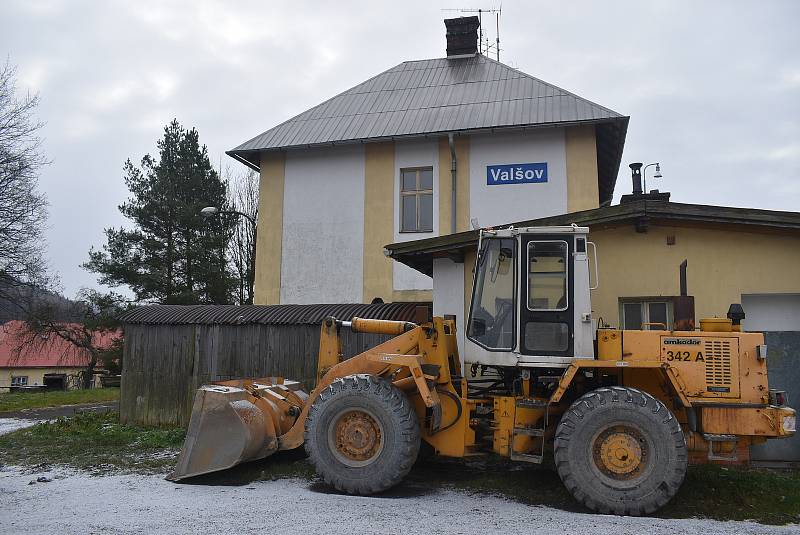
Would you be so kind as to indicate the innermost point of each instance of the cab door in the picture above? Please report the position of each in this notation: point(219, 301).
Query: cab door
point(546, 295)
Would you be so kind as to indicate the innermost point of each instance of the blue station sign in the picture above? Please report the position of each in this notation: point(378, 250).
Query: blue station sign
point(516, 173)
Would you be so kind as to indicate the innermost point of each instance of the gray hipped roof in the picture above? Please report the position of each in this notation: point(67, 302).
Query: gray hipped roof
point(420, 98)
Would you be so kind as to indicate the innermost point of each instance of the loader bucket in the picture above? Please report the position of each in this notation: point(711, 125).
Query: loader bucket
point(228, 426)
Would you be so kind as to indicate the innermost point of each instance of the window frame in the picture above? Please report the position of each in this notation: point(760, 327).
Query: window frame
point(15, 382)
point(528, 276)
point(645, 310)
point(515, 292)
point(417, 194)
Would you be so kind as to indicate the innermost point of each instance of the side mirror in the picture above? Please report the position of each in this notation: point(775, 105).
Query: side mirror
point(477, 327)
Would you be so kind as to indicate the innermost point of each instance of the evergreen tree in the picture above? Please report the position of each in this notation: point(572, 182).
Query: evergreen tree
point(172, 255)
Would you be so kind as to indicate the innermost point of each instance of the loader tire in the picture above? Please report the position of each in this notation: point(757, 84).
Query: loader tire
point(362, 435)
point(619, 450)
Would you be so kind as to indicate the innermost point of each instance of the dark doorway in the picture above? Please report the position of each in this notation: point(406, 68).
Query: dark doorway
point(55, 381)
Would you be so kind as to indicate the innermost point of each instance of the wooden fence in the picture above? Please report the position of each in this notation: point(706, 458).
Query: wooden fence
point(163, 365)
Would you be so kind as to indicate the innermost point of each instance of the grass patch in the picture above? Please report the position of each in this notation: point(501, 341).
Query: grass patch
point(710, 491)
point(766, 496)
point(14, 401)
point(96, 442)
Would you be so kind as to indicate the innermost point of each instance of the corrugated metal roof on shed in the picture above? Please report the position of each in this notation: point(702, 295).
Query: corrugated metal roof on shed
point(266, 314)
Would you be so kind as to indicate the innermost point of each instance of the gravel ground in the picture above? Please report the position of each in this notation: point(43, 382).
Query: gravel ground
point(8, 425)
point(74, 502)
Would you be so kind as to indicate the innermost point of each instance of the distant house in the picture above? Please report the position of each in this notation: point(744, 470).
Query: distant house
point(49, 362)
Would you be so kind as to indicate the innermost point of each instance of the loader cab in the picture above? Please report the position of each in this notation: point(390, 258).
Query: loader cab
point(530, 303)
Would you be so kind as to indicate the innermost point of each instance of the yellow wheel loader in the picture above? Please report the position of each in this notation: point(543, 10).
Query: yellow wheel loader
point(621, 411)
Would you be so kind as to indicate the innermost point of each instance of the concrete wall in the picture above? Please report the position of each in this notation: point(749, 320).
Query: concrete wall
point(772, 312)
point(325, 214)
point(270, 230)
point(323, 226)
point(502, 204)
point(724, 264)
point(783, 366)
point(583, 191)
point(378, 220)
point(448, 294)
point(414, 154)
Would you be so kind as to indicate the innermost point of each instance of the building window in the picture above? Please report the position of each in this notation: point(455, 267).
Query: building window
point(637, 312)
point(19, 380)
point(416, 199)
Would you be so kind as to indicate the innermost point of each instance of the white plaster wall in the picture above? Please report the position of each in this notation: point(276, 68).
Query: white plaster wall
point(771, 312)
point(414, 154)
point(448, 295)
point(507, 203)
point(323, 226)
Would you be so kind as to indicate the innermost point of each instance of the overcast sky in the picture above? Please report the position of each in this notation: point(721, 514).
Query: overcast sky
point(712, 88)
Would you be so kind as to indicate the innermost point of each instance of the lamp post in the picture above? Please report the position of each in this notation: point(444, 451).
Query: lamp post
point(211, 211)
point(644, 173)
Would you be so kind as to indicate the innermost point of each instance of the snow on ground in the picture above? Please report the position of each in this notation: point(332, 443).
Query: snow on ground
point(8, 425)
point(75, 502)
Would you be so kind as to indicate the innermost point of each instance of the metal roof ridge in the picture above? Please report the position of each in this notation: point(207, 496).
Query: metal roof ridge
point(526, 75)
point(617, 116)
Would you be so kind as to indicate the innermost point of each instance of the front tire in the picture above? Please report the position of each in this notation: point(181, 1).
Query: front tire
point(362, 435)
point(619, 450)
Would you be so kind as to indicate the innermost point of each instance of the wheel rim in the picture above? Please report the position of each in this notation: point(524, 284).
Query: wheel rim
point(356, 437)
point(621, 453)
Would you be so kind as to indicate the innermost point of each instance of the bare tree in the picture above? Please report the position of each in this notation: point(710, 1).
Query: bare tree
point(243, 198)
point(89, 326)
point(22, 207)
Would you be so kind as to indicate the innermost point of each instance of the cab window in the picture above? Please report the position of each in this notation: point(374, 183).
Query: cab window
point(547, 275)
point(492, 315)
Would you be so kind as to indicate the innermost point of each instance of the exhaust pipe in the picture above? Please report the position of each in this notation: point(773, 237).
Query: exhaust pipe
point(683, 305)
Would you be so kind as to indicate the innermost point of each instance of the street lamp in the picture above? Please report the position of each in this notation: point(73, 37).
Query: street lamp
point(644, 173)
point(211, 211)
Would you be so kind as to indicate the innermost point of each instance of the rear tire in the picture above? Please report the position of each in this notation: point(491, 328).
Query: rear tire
point(619, 450)
point(362, 435)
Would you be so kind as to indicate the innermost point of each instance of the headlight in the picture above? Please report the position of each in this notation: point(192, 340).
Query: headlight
point(789, 424)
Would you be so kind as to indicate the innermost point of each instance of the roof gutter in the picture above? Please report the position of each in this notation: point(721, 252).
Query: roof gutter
point(239, 159)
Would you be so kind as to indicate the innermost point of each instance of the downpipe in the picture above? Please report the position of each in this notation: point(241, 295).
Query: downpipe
point(453, 219)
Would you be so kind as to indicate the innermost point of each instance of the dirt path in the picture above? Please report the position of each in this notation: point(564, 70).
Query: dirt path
point(74, 502)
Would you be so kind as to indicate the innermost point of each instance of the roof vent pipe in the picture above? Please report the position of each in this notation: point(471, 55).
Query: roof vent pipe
point(462, 37)
point(636, 173)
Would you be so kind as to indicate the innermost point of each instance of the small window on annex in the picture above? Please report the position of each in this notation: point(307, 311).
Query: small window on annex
point(416, 199)
point(644, 313)
point(19, 380)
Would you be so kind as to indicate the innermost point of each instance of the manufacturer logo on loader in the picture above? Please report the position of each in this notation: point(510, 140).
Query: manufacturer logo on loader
point(681, 342)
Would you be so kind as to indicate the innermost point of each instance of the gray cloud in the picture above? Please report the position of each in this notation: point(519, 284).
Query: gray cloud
point(712, 88)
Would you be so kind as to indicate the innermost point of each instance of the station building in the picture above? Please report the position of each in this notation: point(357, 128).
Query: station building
point(419, 151)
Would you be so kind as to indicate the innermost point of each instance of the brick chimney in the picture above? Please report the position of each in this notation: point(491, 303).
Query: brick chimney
point(462, 37)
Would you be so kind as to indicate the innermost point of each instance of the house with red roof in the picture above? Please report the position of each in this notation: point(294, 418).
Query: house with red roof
point(29, 360)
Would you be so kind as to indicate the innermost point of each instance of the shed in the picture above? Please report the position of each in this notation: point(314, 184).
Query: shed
point(170, 350)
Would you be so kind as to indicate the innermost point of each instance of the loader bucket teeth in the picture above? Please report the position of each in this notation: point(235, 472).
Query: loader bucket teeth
point(226, 428)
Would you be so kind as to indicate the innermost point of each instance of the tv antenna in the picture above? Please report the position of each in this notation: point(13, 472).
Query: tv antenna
point(485, 46)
